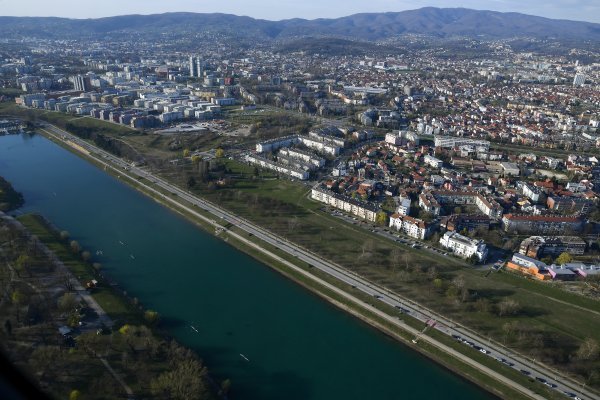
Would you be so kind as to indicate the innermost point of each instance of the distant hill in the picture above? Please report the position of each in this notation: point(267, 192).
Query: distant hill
point(441, 22)
point(334, 47)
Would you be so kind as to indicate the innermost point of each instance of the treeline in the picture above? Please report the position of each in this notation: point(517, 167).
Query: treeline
point(279, 125)
point(112, 145)
point(99, 140)
point(10, 199)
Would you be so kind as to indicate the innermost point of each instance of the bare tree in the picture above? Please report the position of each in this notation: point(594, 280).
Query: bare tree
point(589, 350)
point(508, 307)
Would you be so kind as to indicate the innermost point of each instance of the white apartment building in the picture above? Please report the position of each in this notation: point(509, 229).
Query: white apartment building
point(278, 167)
point(463, 246)
point(361, 209)
point(455, 141)
point(412, 227)
point(433, 161)
point(403, 207)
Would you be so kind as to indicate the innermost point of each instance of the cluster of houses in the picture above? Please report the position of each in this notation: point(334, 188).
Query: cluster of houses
point(299, 156)
point(431, 195)
point(8, 127)
point(138, 110)
point(540, 270)
point(536, 251)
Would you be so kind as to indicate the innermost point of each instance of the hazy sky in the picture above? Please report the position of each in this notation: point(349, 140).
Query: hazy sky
point(583, 10)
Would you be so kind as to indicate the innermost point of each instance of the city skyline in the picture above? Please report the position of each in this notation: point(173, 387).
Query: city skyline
point(582, 10)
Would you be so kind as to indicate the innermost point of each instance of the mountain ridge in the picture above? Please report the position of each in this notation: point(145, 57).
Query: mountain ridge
point(441, 22)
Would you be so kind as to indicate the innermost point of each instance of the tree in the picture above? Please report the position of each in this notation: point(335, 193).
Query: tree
point(86, 255)
point(97, 267)
point(292, 223)
point(17, 297)
point(473, 259)
point(8, 327)
point(367, 247)
point(73, 319)
point(589, 350)
point(22, 263)
point(75, 248)
point(564, 258)
point(219, 153)
point(396, 258)
point(151, 317)
point(482, 305)
point(425, 216)
point(67, 303)
point(44, 359)
point(196, 160)
point(75, 395)
point(186, 153)
point(547, 260)
point(191, 182)
point(508, 307)
point(125, 329)
point(508, 328)
point(184, 382)
point(225, 386)
point(64, 235)
point(381, 218)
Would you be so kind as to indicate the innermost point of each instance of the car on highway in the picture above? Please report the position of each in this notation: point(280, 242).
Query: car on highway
point(571, 395)
point(525, 372)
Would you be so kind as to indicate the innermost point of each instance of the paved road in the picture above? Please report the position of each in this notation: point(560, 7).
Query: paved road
point(495, 350)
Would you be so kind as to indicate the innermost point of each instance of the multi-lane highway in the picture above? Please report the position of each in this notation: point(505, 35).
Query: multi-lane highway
point(502, 355)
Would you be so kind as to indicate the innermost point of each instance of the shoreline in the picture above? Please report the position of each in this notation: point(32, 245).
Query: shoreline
point(356, 308)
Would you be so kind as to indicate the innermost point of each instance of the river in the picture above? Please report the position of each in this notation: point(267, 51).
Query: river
point(297, 345)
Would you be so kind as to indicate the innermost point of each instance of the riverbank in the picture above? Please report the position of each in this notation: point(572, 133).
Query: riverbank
point(86, 356)
point(199, 217)
point(10, 199)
